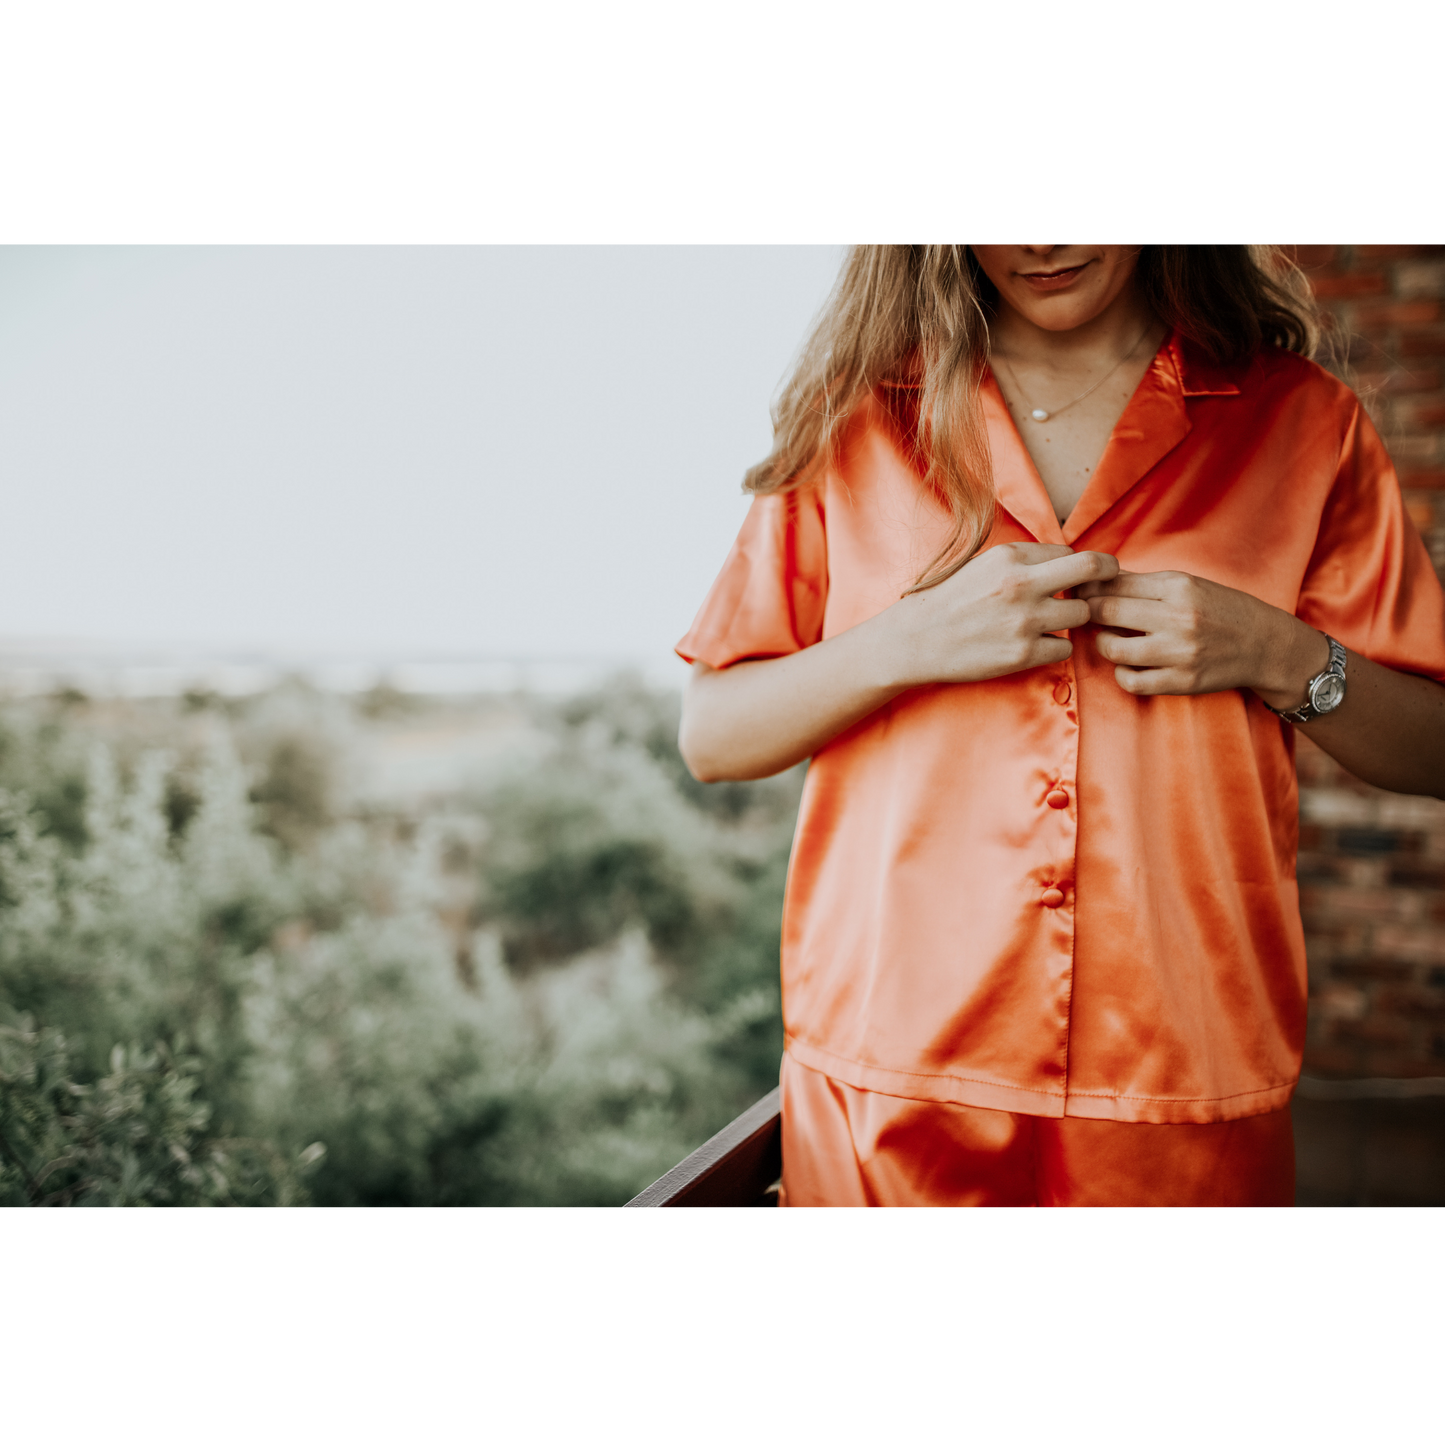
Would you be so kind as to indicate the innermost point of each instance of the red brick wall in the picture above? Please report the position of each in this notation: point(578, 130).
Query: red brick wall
point(1372, 864)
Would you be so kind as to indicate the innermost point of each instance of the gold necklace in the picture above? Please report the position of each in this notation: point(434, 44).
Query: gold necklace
point(1044, 415)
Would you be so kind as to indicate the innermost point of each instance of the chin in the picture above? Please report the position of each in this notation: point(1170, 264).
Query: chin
point(1061, 314)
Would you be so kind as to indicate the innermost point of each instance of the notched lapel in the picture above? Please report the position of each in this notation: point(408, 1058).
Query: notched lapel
point(1154, 421)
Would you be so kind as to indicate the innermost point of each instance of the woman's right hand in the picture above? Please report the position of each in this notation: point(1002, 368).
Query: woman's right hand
point(995, 616)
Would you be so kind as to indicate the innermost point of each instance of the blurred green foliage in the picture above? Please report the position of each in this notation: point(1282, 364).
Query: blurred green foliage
point(227, 976)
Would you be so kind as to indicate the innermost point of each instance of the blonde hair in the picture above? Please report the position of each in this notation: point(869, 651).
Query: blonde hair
point(917, 317)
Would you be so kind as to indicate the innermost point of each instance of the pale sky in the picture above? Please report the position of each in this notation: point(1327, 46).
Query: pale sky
point(478, 451)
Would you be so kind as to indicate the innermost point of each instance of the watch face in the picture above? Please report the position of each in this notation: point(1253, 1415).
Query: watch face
point(1327, 694)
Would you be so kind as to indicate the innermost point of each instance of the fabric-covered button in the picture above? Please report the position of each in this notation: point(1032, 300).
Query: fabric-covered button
point(1051, 897)
point(1057, 798)
point(1063, 692)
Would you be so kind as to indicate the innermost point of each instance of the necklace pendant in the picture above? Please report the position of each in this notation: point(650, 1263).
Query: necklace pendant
point(1041, 415)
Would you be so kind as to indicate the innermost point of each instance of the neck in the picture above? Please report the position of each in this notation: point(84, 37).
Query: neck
point(1105, 338)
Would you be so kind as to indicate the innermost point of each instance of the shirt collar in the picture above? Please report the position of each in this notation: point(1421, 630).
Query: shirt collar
point(1200, 378)
point(1155, 421)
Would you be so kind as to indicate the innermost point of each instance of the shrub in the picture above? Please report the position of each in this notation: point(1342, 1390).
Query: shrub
point(229, 977)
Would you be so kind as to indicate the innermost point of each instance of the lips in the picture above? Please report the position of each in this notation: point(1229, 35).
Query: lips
point(1052, 281)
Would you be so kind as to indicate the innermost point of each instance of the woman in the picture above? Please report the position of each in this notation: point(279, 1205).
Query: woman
point(1057, 547)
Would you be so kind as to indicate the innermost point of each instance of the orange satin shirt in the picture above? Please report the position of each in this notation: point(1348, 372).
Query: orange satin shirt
point(1039, 893)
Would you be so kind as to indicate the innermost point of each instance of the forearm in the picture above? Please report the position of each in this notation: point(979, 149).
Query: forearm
point(1193, 636)
point(760, 717)
point(1388, 731)
point(999, 613)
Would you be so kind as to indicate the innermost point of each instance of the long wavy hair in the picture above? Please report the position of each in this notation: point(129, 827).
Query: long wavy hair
point(919, 316)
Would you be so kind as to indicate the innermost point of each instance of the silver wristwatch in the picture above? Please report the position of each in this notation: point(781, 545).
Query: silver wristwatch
point(1325, 692)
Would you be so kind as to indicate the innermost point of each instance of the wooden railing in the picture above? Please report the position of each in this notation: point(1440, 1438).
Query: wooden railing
point(1358, 1142)
point(739, 1165)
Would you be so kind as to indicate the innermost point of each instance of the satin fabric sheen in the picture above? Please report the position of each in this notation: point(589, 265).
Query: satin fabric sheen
point(846, 1146)
point(1038, 894)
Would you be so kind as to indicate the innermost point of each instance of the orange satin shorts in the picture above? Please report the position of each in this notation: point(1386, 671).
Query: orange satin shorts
point(846, 1146)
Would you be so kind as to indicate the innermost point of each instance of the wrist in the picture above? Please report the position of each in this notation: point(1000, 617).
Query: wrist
point(895, 641)
point(1295, 655)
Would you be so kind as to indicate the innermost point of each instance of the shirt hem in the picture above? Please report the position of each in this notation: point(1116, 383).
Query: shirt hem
point(943, 1088)
point(979, 1093)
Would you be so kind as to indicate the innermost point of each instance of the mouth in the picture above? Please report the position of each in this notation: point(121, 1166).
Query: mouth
point(1052, 281)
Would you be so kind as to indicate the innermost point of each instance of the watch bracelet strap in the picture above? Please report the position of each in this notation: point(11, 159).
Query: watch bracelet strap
point(1307, 712)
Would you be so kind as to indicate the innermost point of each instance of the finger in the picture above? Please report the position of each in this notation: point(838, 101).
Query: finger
point(1148, 651)
point(1050, 649)
point(1128, 612)
point(1159, 585)
point(1161, 682)
point(1028, 552)
point(1063, 614)
point(1065, 573)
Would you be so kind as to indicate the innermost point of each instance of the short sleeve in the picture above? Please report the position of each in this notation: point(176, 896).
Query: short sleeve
point(1370, 583)
point(769, 598)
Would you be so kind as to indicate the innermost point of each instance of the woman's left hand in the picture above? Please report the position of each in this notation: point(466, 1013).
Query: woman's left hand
point(1198, 636)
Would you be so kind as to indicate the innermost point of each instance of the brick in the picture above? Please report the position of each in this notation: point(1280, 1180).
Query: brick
point(1341, 1060)
point(1363, 874)
point(1374, 970)
point(1414, 448)
point(1410, 313)
point(1420, 279)
point(1368, 382)
point(1412, 380)
point(1332, 903)
point(1422, 479)
point(1310, 257)
point(1376, 1032)
point(1368, 842)
point(1421, 875)
point(1375, 356)
point(1370, 909)
point(1423, 415)
point(1411, 1000)
point(1349, 284)
point(1342, 1001)
point(1421, 512)
point(1421, 343)
point(1413, 814)
point(1346, 956)
point(1420, 944)
point(1333, 807)
point(1390, 252)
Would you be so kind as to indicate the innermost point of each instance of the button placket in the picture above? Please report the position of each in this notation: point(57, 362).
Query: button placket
point(1059, 797)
